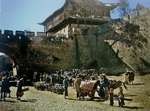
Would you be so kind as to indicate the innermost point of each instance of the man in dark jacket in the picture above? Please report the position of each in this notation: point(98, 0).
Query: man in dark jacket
point(3, 89)
point(105, 83)
point(65, 86)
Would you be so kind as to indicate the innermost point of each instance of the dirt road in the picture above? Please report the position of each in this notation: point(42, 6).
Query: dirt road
point(137, 97)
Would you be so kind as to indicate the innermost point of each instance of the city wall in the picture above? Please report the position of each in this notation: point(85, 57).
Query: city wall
point(119, 45)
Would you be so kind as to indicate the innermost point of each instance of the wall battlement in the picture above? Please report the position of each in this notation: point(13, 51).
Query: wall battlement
point(22, 33)
point(29, 33)
point(136, 14)
point(40, 36)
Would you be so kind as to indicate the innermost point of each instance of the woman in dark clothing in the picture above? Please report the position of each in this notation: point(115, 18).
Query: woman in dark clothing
point(8, 86)
point(19, 92)
point(3, 89)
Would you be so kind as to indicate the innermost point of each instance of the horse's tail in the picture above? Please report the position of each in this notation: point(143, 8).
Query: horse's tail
point(124, 85)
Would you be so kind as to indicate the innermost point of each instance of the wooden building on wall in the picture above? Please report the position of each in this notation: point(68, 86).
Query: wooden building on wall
point(77, 14)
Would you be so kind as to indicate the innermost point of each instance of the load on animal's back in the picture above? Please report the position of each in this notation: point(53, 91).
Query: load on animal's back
point(89, 88)
point(85, 88)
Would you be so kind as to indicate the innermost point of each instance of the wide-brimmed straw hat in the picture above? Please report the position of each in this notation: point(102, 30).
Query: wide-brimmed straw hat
point(103, 75)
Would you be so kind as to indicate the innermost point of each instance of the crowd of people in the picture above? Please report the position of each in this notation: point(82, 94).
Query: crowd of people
point(104, 92)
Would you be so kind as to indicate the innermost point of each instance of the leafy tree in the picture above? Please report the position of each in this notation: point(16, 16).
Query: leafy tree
point(124, 8)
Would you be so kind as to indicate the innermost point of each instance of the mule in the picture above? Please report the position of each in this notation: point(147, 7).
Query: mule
point(115, 84)
point(88, 88)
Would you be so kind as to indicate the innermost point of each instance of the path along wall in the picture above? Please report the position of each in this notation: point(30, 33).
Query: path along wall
point(131, 40)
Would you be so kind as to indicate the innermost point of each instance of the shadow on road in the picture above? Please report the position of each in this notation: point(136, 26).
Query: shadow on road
point(72, 99)
point(96, 99)
point(100, 100)
point(133, 107)
point(10, 101)
point(29, 100)
point(127, 99)
point(128, 95)
point(138, 84)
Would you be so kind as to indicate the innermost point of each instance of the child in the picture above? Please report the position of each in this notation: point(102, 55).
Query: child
point(111, 95)
point(121, 97)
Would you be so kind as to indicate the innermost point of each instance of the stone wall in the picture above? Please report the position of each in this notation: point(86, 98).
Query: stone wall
point(118, 45)
point(87, 49)
point(50, 53)
point(95, 52)
point(132, 42)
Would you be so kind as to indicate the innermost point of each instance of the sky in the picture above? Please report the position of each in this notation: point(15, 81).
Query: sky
point(26, 14)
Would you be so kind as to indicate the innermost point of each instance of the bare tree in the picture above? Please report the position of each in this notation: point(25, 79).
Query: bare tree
point(139, 7)
point(124, 8)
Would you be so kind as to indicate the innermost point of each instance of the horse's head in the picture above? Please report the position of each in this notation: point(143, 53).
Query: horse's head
point(120, 83)
point(98, 82)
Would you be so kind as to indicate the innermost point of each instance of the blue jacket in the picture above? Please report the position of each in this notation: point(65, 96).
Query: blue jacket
point(65, 83)
point(105, 82)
